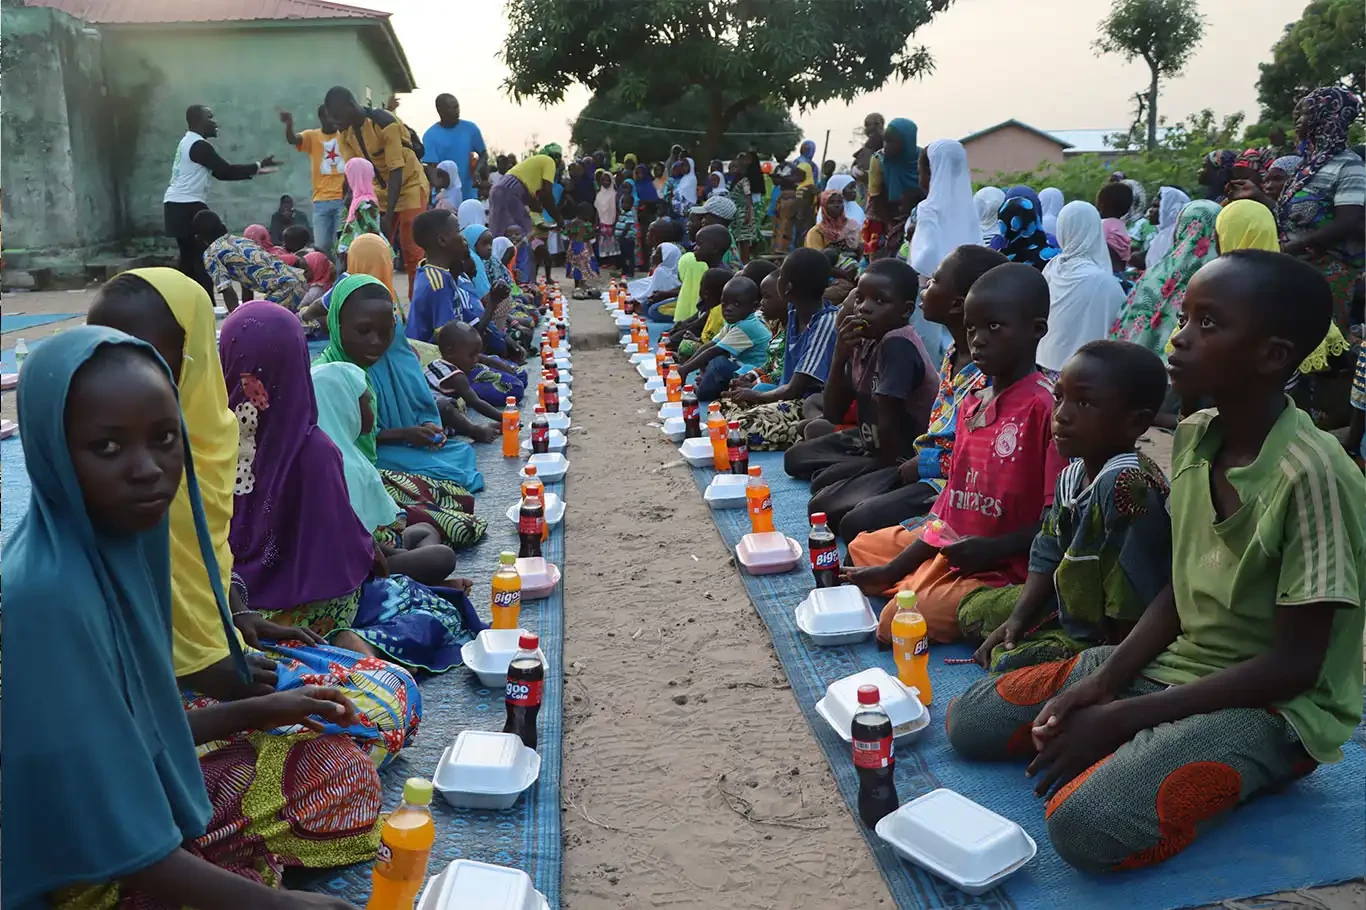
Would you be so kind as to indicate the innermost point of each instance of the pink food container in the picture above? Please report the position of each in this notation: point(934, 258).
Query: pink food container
point(539, 577)
point(768, 553)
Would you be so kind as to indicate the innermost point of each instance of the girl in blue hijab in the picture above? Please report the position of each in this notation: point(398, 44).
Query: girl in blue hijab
point(1020, 235)
point(102, 777)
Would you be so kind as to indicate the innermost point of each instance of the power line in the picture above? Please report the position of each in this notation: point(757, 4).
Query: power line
point(666, 129)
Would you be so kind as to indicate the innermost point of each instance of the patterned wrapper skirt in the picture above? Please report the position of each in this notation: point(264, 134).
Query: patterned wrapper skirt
point(444, 504)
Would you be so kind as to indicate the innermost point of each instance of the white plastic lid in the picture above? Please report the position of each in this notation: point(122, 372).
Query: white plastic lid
point(765, 548)
point(466, 884)
point(482, 762)
point(965, 840)
point(725, 486)
point(841, 700)
point(674, 426)
point(699, 446)
point(548, 464)
point(535, 572)
point(831, 611)
point(494, 648)
point(670, 409)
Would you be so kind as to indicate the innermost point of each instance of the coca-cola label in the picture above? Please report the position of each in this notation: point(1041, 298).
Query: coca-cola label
point(530, 524)
point(690, 412)
point(825, 558)
point(507, 598)
point(526, 693)
point(738, 453)
point(869, 753)
point(922, 646)
point(540, 434)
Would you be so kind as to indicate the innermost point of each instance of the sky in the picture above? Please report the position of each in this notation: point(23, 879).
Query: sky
point(994, 60)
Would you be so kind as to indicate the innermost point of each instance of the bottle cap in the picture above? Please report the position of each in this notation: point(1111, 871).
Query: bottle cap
point(529, 471)
point(690, 388)
point(906, 600)
point(818, 518)
point(540, 410)
point(511, 402)
point(756, 471)
point(417, 791)
point(529, 641)
point(868, 695)
point(714, 407)
point(507, 558)
point(733, 425)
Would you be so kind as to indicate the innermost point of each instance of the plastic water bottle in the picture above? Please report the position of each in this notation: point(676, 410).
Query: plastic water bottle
point(20, 352)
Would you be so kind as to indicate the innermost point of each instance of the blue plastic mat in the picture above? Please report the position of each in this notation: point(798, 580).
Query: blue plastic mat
point(527, 836)
point(14, 322)
point(1314, 833)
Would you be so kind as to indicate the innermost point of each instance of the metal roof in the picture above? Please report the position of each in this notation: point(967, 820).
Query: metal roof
point(1016, 123)
point(130, 12)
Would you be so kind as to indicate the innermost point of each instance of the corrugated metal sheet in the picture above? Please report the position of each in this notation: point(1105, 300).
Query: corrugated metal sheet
point(119, 12)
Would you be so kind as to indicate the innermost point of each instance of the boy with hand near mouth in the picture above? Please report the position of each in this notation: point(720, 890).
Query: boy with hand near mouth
point(1245, 672)
point(741, 345)
point(1003, 472)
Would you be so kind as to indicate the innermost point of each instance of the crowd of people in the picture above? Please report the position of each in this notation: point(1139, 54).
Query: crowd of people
point(263, 548)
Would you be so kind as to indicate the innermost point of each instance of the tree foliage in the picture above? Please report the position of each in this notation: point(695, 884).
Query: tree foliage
point(1161, 33)
point(737, 53)
point(653, 130)
point(1325, 46)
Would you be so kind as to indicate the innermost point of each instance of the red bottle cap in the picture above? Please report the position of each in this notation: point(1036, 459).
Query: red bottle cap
point(530, 470)
point(867, 695)
point(756, 471)
point(540, 410)
point(734, 425)
point(690, 388)
point(511, 402)
point(818, 518)
point(530, 642)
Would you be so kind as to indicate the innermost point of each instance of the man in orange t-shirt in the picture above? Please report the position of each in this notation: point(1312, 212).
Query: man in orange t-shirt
point(323, 148)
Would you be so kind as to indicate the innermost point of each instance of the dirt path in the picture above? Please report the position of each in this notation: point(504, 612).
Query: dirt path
point(678, 717)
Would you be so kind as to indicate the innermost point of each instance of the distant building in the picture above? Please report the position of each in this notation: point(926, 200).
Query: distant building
point(96, 92)
point(1015, 146)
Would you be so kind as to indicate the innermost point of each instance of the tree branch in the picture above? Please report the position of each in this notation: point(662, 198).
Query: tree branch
point(739, 105)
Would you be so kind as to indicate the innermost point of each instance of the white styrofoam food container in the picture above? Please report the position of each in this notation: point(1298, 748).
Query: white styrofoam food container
point(654, 382)
point(646, 369)
point(563, 363)
point(490, 653)
point(550, 466)
point(483, 770)
point(8, 428)
point(958, 840)
point(566, 393)
point(11, 380)
point(559, 420)
point(642, 356)
point(627, 342)
point(697, 452)
point(554, 509)
point(900, 701)
point(836, 616)
point(466, 885)
point(539, 576)
point(566, 380)
point(675, 429)
point(767, 553)
point(557, 441)
point(726, 491)
point(624, 321)
point(670, 409)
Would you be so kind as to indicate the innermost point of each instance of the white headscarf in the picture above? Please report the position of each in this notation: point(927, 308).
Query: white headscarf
point(451, 195)
point(685, 192)
point(470, 213)
point(1084, 295)
point(852, 210)
point(663, 278)
point(500, 247)
point(1170, 202)
point(947, 218)
point(1051, 200)
point(720, 189)
point(989, 200)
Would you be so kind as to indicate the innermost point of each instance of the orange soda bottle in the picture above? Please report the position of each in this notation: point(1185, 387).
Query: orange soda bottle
point(404, 845)
point(716, 432)
point(642, 339)
point(759, 501)
point(512, 420)
point(507, 592)
point(673, 385)
point(553, 333)
point(532, 482)
point(911, 646)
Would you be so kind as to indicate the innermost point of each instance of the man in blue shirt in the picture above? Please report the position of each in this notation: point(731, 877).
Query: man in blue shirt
point(453, 139)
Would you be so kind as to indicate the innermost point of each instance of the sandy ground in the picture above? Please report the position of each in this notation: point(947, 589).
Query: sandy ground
point(690, 777)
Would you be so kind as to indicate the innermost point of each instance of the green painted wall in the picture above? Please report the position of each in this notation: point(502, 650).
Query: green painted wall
point(247, 75)
point(59, 191)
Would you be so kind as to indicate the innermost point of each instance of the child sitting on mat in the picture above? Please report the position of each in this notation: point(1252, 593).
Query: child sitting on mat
point(1104, 551)
point(461, 383)
point(1245, 672)
point(741, 345)
point(1003, 472)
point(684, 337)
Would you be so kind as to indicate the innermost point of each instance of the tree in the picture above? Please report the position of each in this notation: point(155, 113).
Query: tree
point(651, 132)
point(1162, 33)
point(736, 53)
point(1327, 46)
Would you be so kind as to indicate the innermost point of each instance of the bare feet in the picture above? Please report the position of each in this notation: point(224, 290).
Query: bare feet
point(350, 641)
point(463, 585)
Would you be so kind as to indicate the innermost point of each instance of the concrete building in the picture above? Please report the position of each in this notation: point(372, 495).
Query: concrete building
point(1010, 146)
point(96, 92)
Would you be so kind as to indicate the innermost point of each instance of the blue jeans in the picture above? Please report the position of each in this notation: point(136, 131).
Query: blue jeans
point(327, 221)
point(716, 378)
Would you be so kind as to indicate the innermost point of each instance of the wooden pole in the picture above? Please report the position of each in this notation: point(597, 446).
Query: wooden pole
point(825, 151)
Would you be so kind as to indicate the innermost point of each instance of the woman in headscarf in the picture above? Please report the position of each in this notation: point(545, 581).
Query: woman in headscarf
point(470, 213)
point(782, 208)
point(845, 186)
point(806, 162)
point(446, 184)
point(945, 220)
point(1051, 201)
point(1215, 172)
point(892, 173)
point(1148, 317)
point(523, 313)
point(363, 216)
point(662, 284)
point(428, 475)
point(304, 555)
point(685, 189)
point(1022, 237)
point(606, 206)
point(142, 801)
point(1170, 202)
point(583, 181)
point(1320, 209)
point(834, 229)
point(660, 180)
point(1120, 246)
point(988, 201)
point(1084, 297)
point(1138, 209)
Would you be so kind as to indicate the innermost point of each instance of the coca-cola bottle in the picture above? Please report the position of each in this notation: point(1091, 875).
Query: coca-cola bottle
point(540, 433)
point(692, 413)
point(873, 759)
point(526, 677)
point(825, 554)
point(552, 397)
point(737, 449)
point(530, 525)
